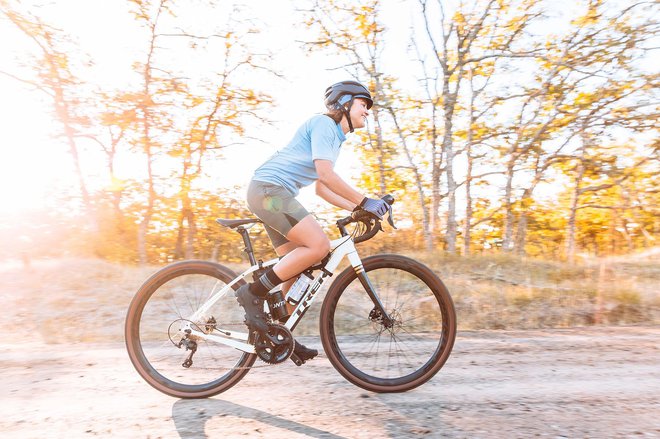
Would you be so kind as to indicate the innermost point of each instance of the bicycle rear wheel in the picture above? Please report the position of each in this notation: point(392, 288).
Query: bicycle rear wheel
point(403, 356)
point(165, 302)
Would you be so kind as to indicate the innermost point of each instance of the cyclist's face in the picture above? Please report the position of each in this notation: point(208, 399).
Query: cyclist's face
point(359, 113)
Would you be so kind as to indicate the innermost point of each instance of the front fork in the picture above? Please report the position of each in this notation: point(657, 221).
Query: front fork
point(371, 291)
point(356, 263)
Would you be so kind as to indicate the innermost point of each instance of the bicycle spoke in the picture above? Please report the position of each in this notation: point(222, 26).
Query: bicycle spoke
point(358, 316)
point(364, 325)
point(389, 355)
point(375, 357)
point(415, 336)
point(400, 346)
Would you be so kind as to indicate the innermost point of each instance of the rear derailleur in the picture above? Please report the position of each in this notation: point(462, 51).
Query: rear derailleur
point(190, 345)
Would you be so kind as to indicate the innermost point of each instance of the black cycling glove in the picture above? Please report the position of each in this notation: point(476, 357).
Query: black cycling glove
point(376, 206)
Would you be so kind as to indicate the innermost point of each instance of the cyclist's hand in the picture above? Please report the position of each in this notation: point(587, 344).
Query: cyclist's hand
point(375, 206)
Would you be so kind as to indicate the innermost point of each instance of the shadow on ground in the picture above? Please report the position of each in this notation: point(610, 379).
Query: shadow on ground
point(191, 416)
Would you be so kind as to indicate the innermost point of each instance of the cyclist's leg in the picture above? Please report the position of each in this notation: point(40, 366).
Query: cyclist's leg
point(283, 250)
point(282, 247)
point(307, 245)
point(312, 246)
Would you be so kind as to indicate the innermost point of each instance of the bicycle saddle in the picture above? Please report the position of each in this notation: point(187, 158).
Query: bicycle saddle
point(232, 224)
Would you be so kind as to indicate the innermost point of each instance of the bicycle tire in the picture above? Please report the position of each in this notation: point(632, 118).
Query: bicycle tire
point(165, 299)
point(425, 321)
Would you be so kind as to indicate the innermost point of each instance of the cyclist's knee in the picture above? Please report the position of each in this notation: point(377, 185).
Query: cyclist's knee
point(323, 248)
point(286, 248)
point(318, 248)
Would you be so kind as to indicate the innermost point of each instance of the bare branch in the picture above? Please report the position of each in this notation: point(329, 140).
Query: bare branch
point(34, 84)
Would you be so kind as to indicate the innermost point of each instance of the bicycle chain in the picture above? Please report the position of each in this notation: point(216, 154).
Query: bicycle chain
point(320, 355)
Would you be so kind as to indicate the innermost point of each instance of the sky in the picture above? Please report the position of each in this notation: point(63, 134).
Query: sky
point(33, 164)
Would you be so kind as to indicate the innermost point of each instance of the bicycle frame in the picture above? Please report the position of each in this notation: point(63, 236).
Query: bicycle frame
point(340, 248)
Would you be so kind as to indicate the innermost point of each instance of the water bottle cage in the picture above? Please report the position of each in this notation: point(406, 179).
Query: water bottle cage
point(298, 289)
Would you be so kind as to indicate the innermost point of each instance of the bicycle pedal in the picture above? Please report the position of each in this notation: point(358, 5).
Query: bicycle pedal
point(297, 361)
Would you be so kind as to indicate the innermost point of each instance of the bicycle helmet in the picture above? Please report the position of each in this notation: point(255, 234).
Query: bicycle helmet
point(344, 92)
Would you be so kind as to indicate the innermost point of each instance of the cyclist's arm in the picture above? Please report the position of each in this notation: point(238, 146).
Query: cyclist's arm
point(324, 192)
point(334, 183)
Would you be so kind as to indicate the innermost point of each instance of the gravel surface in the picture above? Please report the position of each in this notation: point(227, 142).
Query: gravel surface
point(598, 382)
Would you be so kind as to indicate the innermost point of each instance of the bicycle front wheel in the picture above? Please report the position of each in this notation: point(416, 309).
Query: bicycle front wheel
point(166, 302)
point(388, 358)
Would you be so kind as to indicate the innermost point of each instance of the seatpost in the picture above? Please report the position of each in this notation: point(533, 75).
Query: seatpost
point(248, 244)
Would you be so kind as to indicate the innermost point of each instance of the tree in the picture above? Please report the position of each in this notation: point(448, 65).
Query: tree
point(486, 32)
point(152, 119)
point(221, 108)
point(51, 72)
point(406, 133)
point(478, 152)
point(593, 78)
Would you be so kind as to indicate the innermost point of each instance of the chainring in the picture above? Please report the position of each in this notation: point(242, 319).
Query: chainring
point(276, 346)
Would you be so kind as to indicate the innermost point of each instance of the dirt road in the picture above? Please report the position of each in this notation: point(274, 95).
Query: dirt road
point(595, 383)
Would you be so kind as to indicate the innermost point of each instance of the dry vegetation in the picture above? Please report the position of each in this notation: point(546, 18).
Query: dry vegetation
point(508, 293)
point(83, 300)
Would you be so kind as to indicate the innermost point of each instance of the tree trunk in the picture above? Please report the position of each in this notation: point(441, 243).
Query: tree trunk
point(521, 234)
point(436, 160)
point(507, 242)
point(381, 152)
point(448, 149)
point(452, 227)
point(73, 150)
point(428, 236)
point(192, 232)
point(143, 228)
point(116, 191)
point(523, 218)
point(572, 214)
point(147, 144)
point(178, 246)
point(467, 223)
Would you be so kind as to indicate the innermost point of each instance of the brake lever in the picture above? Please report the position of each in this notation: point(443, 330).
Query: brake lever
point(389, 199)
point(390, 220)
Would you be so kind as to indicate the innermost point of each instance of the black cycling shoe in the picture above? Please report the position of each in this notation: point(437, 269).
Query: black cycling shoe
point(302, 353)
point(254, 309)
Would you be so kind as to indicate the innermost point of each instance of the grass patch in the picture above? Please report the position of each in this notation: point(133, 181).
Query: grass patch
point(507, 292)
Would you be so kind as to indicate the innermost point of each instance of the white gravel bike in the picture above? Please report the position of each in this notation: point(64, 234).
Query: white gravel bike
point(387, 322)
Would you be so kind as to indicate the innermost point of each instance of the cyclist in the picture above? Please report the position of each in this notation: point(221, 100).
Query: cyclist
point(296, 236)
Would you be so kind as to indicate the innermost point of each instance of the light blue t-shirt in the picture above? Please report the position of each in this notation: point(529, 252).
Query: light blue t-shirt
point(293, 166)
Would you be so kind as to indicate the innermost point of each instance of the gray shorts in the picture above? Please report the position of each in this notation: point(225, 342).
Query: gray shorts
point(276, 207)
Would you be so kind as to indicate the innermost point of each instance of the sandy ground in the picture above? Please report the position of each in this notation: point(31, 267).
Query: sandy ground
point(572, 383)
